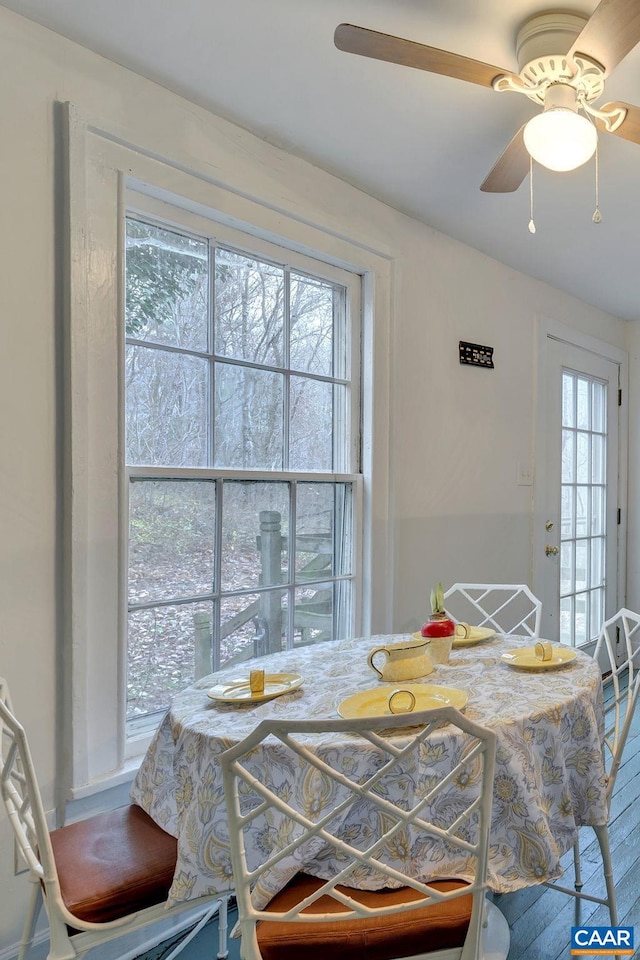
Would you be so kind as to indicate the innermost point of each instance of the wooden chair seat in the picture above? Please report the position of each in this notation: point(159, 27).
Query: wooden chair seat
point(437, 926)
point(378, 792)
point(113, 864)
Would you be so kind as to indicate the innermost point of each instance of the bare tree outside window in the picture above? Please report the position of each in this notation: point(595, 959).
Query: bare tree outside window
point(234, 363)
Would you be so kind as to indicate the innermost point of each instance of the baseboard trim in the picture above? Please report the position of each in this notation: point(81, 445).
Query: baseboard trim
point(40, 940)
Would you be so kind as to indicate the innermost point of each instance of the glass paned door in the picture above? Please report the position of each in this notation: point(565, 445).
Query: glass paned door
point(583, 520)
point(577, 548)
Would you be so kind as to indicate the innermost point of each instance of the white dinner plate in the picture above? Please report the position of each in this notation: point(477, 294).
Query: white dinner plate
point(375, 702)
point(239, 691)
point(525, 658)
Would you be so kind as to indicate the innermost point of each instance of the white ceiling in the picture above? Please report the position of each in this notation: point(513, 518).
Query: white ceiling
point(422, 143)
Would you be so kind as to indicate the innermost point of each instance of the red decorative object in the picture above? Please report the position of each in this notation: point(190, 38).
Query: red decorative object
point(438, 625)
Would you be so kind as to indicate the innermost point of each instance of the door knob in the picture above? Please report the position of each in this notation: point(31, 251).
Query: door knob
point(551, 551)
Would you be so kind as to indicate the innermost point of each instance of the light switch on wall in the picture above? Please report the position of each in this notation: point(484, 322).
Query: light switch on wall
point(524, 474)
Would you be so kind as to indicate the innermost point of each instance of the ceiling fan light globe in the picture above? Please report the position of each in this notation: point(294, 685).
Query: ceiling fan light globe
point(560, 139)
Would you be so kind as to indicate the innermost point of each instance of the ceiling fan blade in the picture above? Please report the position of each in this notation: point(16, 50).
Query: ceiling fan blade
point(610, 33)
point(382, 46)
point(630, 126)
point(510, 169)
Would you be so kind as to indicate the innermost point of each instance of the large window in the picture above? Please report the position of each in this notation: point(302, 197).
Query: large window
point(225, 491)
point(242, 453)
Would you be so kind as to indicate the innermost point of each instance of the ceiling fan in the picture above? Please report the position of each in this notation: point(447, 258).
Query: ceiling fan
point(563, 61)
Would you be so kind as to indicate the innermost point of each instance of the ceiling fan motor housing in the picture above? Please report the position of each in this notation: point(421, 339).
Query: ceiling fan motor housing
point(547, 35)
point(542, 47)
point(558, 81)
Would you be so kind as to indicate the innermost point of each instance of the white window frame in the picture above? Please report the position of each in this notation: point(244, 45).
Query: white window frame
point(100, 167)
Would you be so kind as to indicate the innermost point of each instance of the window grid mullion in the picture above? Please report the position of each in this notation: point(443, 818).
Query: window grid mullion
point(340, 402)
point(216, 586)
point(231, 361)
point(286, 392)
point(211, 345)
point(291, 591)
point(216, 624)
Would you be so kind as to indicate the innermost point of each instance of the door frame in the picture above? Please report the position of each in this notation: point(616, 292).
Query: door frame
point(548, 329)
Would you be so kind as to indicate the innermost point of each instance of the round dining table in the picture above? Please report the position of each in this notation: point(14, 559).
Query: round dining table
point(549, 775)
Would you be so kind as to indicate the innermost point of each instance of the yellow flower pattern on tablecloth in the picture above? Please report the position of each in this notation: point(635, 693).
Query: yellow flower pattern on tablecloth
point(549, 768)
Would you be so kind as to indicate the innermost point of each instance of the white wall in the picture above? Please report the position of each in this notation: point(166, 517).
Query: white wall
point(633, 512)
point(456, 432)
point(460, 432)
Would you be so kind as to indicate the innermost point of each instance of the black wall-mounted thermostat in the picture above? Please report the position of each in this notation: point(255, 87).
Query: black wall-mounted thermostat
point(476, 354)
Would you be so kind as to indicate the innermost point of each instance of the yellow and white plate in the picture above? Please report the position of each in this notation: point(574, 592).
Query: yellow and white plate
point(525, 658)
point(375, 702)
point(476, 636)
point(239, 691)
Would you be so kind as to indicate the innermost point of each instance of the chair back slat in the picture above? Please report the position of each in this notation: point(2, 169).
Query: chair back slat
point(618, 653)
point(72, 936)
point(359, 805)
point(508, 608)
point(21, 795)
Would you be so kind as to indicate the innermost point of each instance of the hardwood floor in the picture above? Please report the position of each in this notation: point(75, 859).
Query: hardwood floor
point(540, 919)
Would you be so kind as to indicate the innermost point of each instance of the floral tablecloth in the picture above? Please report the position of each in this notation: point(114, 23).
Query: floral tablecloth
point(549, 779)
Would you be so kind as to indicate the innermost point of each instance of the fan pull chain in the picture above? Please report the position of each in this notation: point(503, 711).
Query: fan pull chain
point(532, 226)
point(597, 216)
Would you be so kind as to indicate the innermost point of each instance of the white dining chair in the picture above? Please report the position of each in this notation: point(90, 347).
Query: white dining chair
point(382, 786)
point(100, 878)
point(618, 653)
point(508, 608)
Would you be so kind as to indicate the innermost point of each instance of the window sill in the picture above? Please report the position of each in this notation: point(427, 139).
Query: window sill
point(105, 793)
